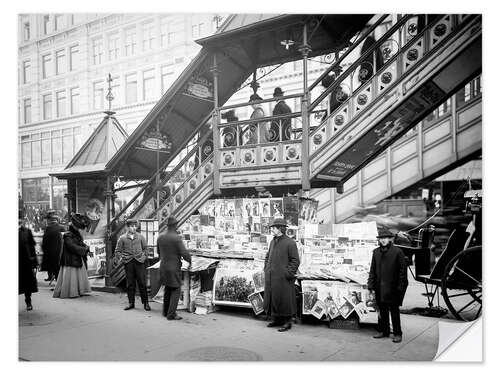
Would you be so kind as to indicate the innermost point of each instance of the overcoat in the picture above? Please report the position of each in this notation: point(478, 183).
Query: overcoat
point(280, 267)
point(74, 249)
point(281, 108)
point(388, 275)
point(52, 248)
point(27, 261)
point(171, 251)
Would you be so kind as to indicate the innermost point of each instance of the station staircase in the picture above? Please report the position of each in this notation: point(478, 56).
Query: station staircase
point(420, 70)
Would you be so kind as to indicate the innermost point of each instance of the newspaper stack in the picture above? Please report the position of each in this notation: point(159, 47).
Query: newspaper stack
point(203, 303)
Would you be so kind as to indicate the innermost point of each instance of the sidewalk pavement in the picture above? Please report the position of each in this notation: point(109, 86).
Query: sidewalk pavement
point(96, 328)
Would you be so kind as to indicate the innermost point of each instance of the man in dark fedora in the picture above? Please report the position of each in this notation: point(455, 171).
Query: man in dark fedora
point(171, 249)
point(280, 267)
point(388, 279)
point(131, 247)
point(281, 108)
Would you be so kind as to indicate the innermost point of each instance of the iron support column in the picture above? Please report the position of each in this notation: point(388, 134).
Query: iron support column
point(305, 49)
point(215, 128)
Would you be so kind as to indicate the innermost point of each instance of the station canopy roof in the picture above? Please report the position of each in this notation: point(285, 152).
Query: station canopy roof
point(242, 44)
point(91, 159)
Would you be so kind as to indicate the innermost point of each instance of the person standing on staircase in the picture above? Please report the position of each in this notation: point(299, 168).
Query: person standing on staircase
point(131, 247)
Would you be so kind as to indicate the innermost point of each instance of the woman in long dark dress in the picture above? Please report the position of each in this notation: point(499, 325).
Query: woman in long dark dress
point(73, 279)
point(27, 264)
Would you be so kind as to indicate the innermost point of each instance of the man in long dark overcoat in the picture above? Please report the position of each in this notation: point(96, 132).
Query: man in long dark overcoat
point(27, 263)
point(171, 249)
point(280, 267)
point(52, 248)
point(388, 279)
point(281, 108)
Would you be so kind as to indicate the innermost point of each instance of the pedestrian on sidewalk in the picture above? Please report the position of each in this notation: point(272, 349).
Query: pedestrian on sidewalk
point(27, 283)
point(131, 248)
point(280, 267)
point(171, 249)
point(73, 280)
point(52, 248)
point(388, 280)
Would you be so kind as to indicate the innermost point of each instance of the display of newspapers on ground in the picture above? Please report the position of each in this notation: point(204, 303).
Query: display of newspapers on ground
point(235, 280)
point(331, 299)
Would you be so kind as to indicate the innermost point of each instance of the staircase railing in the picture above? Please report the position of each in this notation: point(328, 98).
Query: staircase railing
point(119, 219)
point(399, 56)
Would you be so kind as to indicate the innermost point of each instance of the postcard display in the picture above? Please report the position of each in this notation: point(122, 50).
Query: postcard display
point(335, 259)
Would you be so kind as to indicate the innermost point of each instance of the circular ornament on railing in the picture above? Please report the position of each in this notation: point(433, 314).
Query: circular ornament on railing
point(229, 137)
point(362, 99)
point(412, 54)
point(412, 28)
point(317, 139)
point(273, 135)
point(386, 52)
point(178, 198)
point(208, 169)
point(228, 159)
point(208, 148)
point(440, 29)
point(292, 153)
point(363, 74)
point(269, 155)
point(386, 77)
point(339, 119)
point(248, 157)
point(340, 95)
point(192, 184)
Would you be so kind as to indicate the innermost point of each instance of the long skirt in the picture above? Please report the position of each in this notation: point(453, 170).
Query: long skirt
point(72, 282)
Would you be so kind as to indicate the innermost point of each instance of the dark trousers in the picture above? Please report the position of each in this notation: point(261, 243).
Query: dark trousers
point(170, 301)
point(27, 298)
point(136, 272)
point(395, 318)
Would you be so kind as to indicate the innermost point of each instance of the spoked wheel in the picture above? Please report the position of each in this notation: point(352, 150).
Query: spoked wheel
point(461, 285)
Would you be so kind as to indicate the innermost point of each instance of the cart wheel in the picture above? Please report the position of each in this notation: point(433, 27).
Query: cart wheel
point(461, 285)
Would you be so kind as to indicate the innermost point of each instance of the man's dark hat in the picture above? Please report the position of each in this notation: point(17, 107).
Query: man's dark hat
point(171, 221)
point(278, 222)
point(278, 92)
point(131, 222)
point(384, 232)
point(80, 221)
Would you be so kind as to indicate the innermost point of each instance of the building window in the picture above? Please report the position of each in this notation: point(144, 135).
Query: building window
point(61, 103)
point(45, 65)
point(148, 31)
point(25, 151)
point(71, 19)
point(73, 57)
point(98, 95)
point(74, 100)
point(164, 33)
point(113, 46)
point(26, 71)
point(131, 88)
point(97, 49)
point(26, 31)
point(197, 30)
point(60, 61)
point(47, 106)
point(148, 84)
point(36, 190)
point(56, 147)
point(27, 110)
point(67, 141)
point(167, 76)
point(46, 21)
point(58, 22)
point(46, 153)
point(36, 150)
point(130, 41)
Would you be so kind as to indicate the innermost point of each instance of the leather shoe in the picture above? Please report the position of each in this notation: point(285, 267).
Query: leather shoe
point(29, 306)
point(147, 307)
point(285, 327)
point(177, 317)
point(129, 307)
point(274, 323)
point(397, 338)
point(380, 336)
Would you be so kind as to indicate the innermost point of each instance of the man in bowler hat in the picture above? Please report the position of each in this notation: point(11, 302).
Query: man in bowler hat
point(280, 267)
point(131, 247)
point(171, 249)
point(281, 108)
point(388, 279)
